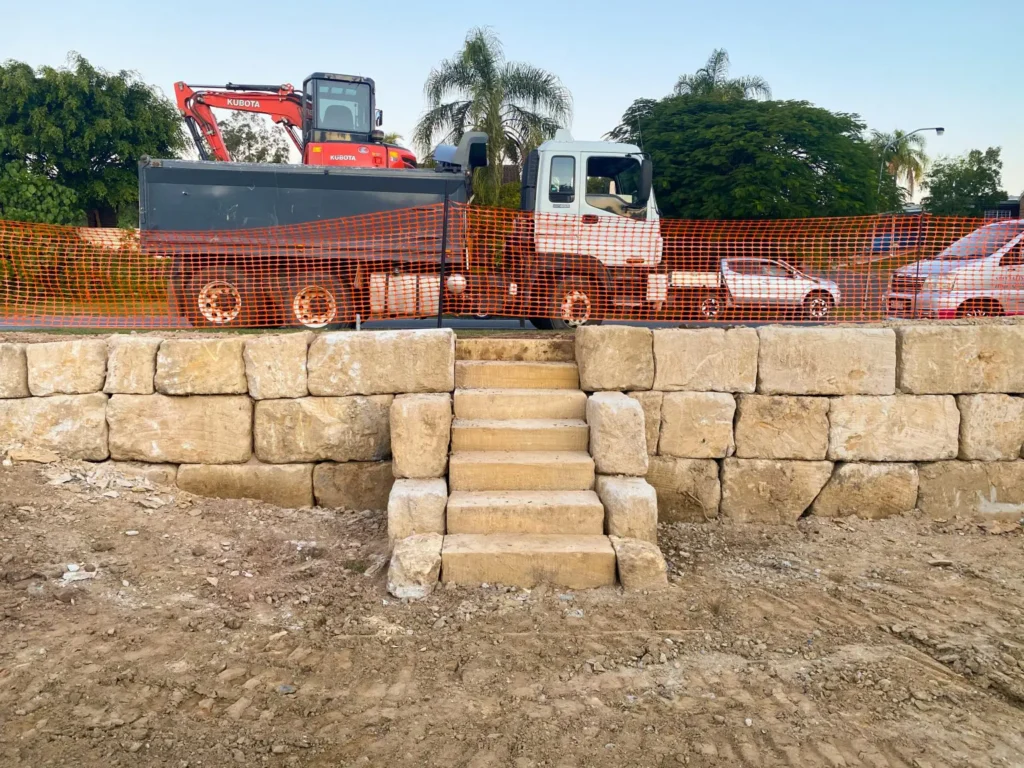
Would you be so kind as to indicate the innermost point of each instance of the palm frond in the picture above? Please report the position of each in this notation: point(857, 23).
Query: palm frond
point(440, 124)
point(450, 77)
point(537, 89)
point(754, 87)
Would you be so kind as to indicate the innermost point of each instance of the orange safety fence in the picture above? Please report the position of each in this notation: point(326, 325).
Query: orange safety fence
point(557, 270)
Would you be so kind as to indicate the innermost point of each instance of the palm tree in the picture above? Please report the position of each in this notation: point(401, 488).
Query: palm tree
point(392, 138)
point(516, 104)
point(713, 80)
point(904, 156)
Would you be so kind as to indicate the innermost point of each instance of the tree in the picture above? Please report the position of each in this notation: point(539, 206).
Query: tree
point(27, 196)
point(713, 81)
point(85, 130)
point(253, 139)
point(965, 185)
point(393, 138)
point(904, 156)
point(477, 89)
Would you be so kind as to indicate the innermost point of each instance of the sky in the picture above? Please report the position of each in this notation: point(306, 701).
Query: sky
point(898, 64)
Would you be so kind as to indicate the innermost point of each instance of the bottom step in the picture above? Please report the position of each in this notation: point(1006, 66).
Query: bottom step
point(525, 560)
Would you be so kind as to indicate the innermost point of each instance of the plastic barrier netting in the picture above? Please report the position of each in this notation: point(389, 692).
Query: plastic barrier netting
point(556, 270)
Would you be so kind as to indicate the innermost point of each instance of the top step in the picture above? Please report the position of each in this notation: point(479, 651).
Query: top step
point(510, 350)
point(474, 374)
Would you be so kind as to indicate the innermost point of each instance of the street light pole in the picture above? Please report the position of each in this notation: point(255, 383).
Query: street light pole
point(894, 142)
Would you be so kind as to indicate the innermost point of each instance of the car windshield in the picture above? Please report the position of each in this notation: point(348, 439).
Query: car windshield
point(983, 242)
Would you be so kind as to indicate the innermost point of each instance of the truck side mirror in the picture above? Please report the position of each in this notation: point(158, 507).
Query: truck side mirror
point(380, 117)
point(646, 180)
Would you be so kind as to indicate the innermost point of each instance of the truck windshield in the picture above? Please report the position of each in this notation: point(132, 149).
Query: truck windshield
point(343, 106)
point(983, 242)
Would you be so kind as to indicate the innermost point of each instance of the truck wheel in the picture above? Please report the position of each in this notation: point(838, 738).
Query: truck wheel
point(317, 300)
point(219, 297)
point(711, 305)
point(818, 306)
point(541, 323)
point(574, 303)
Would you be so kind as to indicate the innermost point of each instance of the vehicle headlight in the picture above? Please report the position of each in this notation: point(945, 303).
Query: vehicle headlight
point(940, 283)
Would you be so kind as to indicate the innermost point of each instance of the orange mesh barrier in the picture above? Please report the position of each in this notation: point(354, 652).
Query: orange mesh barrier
point(557, 270)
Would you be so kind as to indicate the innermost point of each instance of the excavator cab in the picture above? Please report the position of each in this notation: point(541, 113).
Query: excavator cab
point(340, 108)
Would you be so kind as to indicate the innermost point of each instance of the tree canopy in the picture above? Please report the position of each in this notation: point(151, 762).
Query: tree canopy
point(903, 156)
point(254, 139)
point(966, 185)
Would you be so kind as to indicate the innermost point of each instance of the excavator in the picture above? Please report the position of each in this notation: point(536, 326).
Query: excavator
point(333, 121)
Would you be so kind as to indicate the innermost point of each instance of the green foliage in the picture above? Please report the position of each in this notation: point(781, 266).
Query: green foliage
point(965, 185)
point(254, 139)
point(27, 196)
point(509, 195)
point(712, 81)
point(903, 156)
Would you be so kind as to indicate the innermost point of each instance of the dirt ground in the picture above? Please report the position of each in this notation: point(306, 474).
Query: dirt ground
point(192, 632)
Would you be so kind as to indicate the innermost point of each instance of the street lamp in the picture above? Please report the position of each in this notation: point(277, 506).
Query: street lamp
point(894, 142)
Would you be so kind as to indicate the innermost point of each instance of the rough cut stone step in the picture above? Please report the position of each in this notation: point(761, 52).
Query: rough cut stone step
point(473, 374)
point(579, 512)
point(520, 435)
point(525, 560)
point(521, 471)
point(535, 350)
point(520, 404)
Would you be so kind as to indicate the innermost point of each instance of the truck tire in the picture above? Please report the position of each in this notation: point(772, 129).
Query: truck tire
point(574, 302)
point(818, 306)
point(219, 296)
point(317, 300)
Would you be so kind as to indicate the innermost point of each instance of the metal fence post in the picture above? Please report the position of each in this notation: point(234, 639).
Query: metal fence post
point(444, 259)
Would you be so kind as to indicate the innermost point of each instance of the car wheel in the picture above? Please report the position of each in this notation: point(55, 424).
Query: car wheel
point(574, 304)
point(979, 308)
point(818, 306)
point(317, 300)
point(711, 306)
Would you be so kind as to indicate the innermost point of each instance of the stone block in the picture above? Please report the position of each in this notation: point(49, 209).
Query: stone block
point(973, 489)
point(415, 566)
point(382, 362)
point(826, 361)
point(688, 490)
point(284, 485)
point(201, 367)
point(640, 564)
point(614, 358)
point(871, 491)
point(893, 428)
point(781, 427)
point(275, 366)
point(697, 425)
point(131, 365)
point(650, 402)
point(991, 427)
point(961, 359)
point(72, 426)
point(323, 429)
point(421, 427)
point(532, 350)
point(617, 441)
point(13, 371)
point(630, 507)
point(180, 430)
point(417, 506)
point(354, 485)
point(706, 359)
point(111, 474)
point(768, 491)
point(66, 367)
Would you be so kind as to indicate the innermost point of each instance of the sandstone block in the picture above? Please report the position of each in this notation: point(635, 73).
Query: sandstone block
point(780, 427)
point(871, 491)
point(131, 365)
point(532, 350)
point(417, 506)
point(415, 566)
point(354, 485)
point(201, 367)
point(524, 512)
point(13, 371)
point(382, 362)
point(66, 367)
point(614, 357)
point(284, 485)
point(991, 427)
point(323, 429)
point(697, 425)
point(650, 402)
point(894, 428)
point(826, 361)
point(962, 359)
point(640, 564)
point(706, 359)
point(275, 366)
point(617, 441)
point(977, 489)
point(180, 430)
point(688, 490)
point(421, 427)
point(767, 491)
point(73, 426)
point(630, 507)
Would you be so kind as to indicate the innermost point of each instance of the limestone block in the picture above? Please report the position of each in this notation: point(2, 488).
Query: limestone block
point(697, 425)
point(688, 490)
point(275, 366)
point(323, 429)
point(131, 365)
point(640, 564)
point(417, 506)
point(780, 427)
point(706, 359)
point(614, 357)
point(72, 426)
point(630, 507)
point(354, 485)
point(284, 485)
point(499, 348)
point(893, 428)
point(617, 441)
point(13, 371)
point(991, 427)
point(382, 362)
point(180, 430)
point(201, 367)
point(66, 367)
point(650, 402)
point(768, 491)
point(961, 359)
point(977, 489)
point(415, 566)
point(871, 491)
point(421, 427)
point(826, 361)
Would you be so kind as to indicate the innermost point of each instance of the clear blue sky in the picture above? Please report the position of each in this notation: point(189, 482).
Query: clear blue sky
point(905, 64)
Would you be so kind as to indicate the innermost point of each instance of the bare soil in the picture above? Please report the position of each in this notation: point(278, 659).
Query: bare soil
point(218, 633)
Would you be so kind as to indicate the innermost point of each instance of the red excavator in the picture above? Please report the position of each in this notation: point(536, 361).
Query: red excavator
point(332, 121)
